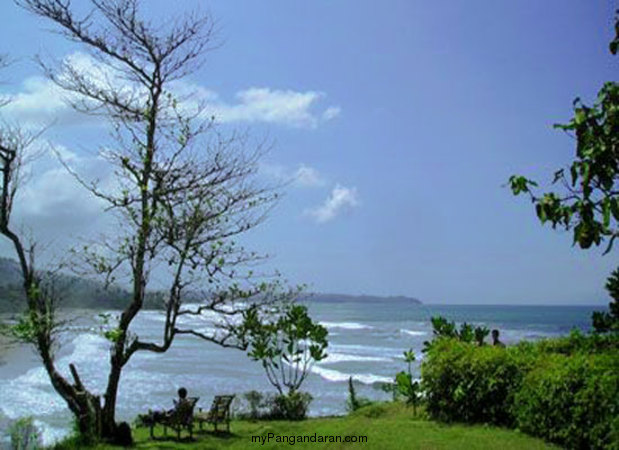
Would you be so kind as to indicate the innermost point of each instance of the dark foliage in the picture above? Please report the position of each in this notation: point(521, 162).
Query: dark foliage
point(123, 436)
point(609, 321)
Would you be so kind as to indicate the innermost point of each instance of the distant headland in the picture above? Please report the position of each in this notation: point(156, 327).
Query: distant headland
point(89, 294)
point(341, 298)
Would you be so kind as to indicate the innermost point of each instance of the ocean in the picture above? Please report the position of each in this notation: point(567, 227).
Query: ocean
point(366, 341)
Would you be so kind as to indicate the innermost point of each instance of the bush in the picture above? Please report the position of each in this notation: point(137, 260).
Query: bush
point(468, 383)
point(25, 435)
point(572, 400)
point(565, 390)
point(267, 406)
point(577, 342)
point(254, 405)
point(293, 406)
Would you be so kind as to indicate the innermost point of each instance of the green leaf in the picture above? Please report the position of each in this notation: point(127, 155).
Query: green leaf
point(606, 212)
point(580, 116)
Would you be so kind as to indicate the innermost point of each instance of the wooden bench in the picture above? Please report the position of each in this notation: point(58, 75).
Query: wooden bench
point(219, 412)
point(178, 418)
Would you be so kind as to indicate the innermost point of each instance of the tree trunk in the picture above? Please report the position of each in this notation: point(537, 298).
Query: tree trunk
point(87, 410)
point(89, 419)
point(108, 417)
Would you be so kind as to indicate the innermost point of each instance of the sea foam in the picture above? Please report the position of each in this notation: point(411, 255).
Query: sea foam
point(346, 325)
point(337, 376)
point(414, 332)
point(335, 357)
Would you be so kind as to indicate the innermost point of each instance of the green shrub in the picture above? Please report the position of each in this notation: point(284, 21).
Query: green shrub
point(293, 406)
point(25, 435)
point(465, 382)
point(572, 400)
point(253, 405)
point(565, 390)
point(577, 342)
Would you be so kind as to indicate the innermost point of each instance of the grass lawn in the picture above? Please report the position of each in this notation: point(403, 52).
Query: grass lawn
point(387, 426)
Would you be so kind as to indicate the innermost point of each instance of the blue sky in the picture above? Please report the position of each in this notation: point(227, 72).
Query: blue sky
point(400, 120)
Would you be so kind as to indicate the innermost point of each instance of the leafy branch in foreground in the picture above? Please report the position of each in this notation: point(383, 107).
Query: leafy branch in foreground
point(588, 205)
point(588, 200)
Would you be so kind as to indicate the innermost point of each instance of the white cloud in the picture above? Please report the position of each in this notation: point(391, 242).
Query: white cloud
point(282, 107)
point(54, 205)
point(65, 154)
point(340, 200)
point(307, 176)
point(50, 188)
point(331, 112)
point(40, 100)
point(303, 176)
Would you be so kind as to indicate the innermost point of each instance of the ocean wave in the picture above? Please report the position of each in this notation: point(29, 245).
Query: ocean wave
point(414, 332)
point(335, 357)
point(366, 350)
point(346, 325)
point(337, 376)
point(19, 400)
point(32, 391)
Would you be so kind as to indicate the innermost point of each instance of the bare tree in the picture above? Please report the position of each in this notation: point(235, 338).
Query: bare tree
point(181, 192)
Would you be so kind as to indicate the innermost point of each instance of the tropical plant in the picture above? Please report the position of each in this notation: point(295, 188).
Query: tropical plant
point(404, 386)
point(442, 328)
point(588, 200)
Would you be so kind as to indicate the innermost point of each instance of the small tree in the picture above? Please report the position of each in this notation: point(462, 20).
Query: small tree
point(287, 344)
point(589, 202)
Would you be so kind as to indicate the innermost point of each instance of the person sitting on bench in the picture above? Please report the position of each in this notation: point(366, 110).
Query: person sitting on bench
point(182, 399)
